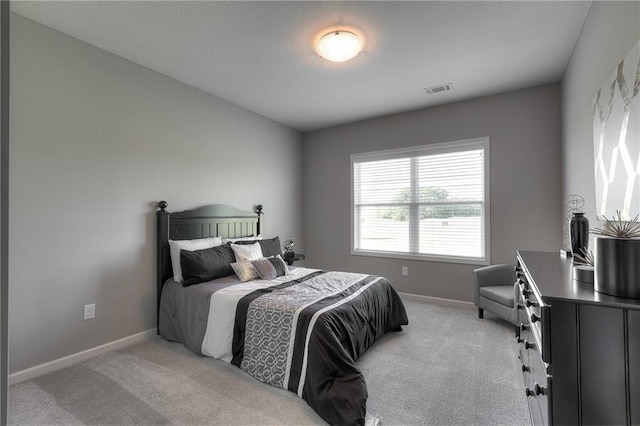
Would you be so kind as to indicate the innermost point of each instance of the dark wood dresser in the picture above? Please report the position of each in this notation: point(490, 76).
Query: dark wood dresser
point(580, 350)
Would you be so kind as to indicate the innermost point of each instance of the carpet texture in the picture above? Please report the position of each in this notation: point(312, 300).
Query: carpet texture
point(446, 367)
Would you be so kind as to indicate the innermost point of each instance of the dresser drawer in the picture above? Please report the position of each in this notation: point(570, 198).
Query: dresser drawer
point(538, 385)
point(533, 314)
point(534, 372)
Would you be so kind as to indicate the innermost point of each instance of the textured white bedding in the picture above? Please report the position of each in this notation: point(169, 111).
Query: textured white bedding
point(218, 339)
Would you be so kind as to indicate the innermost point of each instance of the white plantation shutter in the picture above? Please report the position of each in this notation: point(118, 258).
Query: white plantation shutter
point(423, 202)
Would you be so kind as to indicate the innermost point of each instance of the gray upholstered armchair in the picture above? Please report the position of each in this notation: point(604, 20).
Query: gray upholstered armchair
point(496, 291)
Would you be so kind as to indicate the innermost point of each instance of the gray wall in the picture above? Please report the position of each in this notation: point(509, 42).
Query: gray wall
point(609, 32)
point(526, 188)
point(4, 205)
point(96, 142)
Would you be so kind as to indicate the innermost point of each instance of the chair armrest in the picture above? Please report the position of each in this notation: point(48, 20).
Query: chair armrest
point(517, 296)
point(501, 274)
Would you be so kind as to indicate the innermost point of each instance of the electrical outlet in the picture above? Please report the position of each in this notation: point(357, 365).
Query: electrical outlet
point(89, 311)
point(405, 271)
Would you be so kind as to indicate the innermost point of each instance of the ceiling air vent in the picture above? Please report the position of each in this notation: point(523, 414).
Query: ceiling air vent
point(439, 89)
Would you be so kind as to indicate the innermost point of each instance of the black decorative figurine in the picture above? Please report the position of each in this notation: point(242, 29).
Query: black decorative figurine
point(579, 231)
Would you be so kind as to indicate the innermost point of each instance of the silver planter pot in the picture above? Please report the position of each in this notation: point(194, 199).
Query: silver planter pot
point(617, 267)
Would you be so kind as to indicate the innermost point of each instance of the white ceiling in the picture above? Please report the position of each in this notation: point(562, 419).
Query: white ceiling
point(259, 54)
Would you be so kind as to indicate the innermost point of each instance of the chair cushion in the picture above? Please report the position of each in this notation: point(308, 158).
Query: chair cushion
point(502, 294)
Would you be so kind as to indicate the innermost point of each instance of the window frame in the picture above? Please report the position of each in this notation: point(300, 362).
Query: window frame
point(415, 151)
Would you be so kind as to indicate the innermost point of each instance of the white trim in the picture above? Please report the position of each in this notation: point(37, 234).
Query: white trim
point(432, 148)
point(450, 303)
point(425, 257)
point(57, 364)
point(487, 201)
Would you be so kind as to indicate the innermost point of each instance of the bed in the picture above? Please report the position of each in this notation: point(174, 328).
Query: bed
point(297, 328)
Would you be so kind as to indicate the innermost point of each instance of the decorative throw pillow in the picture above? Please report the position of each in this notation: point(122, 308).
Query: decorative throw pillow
point(269, 246)
point(205, 265)
point(271, 267)
point(247, 252)
point(245, 271)
point(175, 246)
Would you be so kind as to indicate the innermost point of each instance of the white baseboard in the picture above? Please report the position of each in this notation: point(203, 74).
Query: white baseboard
point(439, 301)
point(56, 364)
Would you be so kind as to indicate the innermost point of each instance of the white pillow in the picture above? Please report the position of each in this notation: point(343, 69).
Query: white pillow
point(245, 252)
point(190, 245)
point(233, 240)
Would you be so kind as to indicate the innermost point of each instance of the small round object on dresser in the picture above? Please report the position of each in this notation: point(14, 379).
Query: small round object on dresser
point(163, 205)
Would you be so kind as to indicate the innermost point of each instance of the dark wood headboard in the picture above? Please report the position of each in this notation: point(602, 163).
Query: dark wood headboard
point(216, 220)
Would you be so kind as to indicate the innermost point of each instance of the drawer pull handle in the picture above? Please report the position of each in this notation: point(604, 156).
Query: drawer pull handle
point(529, 345)
point(520, 306)
point(526, 292)
point(540, 390)
point(520, 340)
point(529, 392)
point(523, 327)
point(530, 303)
point(535, 318)
point(525, 368)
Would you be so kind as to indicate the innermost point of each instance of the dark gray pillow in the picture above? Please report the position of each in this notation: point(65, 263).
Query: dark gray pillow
point(270, 247)
point(205, 265)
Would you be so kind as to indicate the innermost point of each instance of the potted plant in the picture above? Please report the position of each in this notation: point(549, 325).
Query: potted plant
point(617, 257)
point(288, 248)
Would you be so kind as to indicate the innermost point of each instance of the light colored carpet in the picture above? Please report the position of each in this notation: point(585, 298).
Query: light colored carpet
point(446, 367)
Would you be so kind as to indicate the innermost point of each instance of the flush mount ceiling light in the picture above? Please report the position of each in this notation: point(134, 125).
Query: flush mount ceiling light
point(339, 46)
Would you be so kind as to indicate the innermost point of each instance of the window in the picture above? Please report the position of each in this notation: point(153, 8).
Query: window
point(427, 202)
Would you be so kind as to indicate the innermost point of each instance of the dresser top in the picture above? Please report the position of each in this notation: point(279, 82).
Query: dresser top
point(552, 274)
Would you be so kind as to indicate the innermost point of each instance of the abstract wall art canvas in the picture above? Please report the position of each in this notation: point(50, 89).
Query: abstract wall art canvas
point(616, 140)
